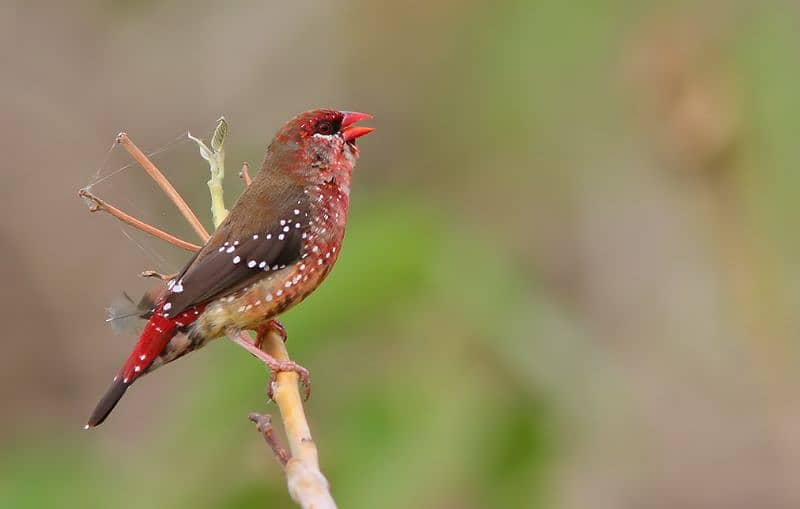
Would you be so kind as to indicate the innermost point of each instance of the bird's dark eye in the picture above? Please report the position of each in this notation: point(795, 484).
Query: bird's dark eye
point(324, 127)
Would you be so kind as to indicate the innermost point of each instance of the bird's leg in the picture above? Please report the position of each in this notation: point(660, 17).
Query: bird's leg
point(272, 325)
point(244, 174)
point(275, 366)
point(164, 184)
point(97, 205)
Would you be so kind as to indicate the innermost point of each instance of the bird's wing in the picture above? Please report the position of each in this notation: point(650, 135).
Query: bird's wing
point(226, 266)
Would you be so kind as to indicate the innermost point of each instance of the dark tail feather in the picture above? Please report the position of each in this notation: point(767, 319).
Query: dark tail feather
point(155, 338)
point(108, 402)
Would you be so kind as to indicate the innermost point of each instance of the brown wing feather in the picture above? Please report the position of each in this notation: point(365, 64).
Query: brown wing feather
point(243, 250)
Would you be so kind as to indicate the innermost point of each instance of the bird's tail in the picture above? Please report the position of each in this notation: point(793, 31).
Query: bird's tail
point(152, 343)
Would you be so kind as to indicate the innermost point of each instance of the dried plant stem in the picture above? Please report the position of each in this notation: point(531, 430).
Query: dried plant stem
point(307, 486)
point(157, 275)
point(101, 205)
point(161, 180)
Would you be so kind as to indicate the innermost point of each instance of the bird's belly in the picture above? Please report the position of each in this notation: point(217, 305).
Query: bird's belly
point(265, 299)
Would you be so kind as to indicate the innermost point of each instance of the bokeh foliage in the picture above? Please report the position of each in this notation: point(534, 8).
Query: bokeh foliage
point(570, 277)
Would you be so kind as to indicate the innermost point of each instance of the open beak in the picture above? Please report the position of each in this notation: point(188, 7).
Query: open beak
point(349, 131)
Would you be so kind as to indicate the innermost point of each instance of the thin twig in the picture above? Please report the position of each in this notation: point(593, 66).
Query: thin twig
point(264, 426)
point(157, 275)
point(244, 174)
point(98, 205)
point(161, 180)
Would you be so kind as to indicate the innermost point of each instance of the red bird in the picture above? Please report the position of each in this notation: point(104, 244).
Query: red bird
point(276, 246)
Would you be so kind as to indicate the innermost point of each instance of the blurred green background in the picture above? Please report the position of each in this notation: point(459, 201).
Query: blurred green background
point(570, 277)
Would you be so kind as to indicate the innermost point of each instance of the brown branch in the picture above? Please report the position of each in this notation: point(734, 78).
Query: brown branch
point(98, 205)
point(264, 426)
point(244, 174)
point(161, 180)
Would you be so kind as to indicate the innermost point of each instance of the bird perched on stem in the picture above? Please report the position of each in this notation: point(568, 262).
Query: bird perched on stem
point(275, 247)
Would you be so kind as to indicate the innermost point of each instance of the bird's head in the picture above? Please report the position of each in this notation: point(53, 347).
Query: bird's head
point(321, 144)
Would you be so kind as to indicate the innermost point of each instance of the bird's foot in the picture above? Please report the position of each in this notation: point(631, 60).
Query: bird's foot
point(275, 366)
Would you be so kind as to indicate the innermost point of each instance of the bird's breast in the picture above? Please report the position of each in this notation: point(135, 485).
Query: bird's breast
point(322, 236)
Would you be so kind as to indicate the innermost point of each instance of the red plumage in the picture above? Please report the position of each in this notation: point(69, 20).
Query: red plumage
point(153, 341)
point(277, 244)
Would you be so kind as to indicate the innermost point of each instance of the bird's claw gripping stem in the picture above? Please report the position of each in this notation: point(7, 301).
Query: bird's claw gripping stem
point(274, 326)
point(285, 366)
point(276, 366)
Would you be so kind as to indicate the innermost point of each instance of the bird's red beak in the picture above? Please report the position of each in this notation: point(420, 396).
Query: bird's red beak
point(349, 131)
